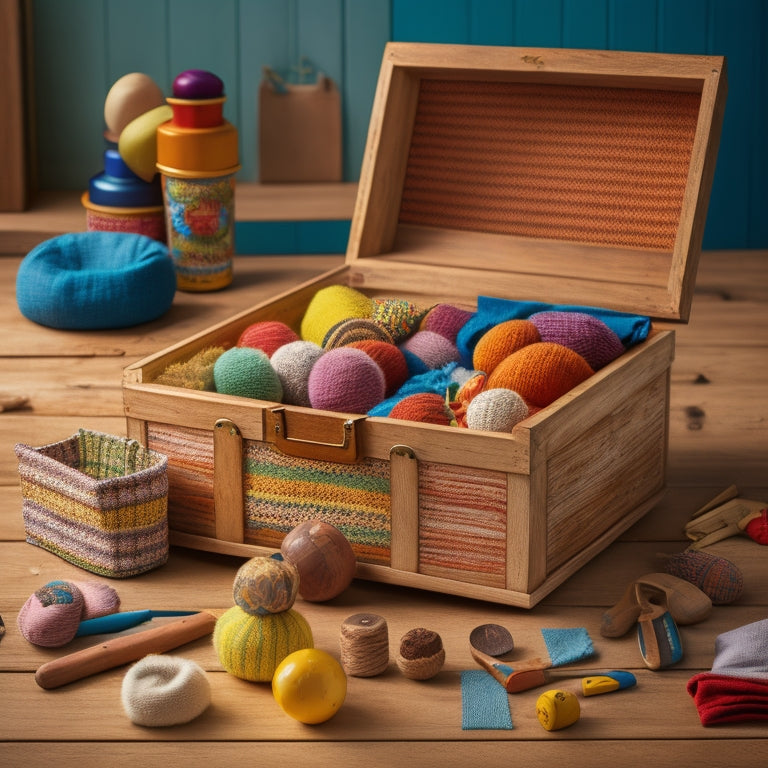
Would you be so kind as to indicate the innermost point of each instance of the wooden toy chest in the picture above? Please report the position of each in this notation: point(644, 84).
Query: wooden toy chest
point(575, 177)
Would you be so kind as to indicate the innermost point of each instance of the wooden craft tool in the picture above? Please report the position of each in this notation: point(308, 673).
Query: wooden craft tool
point(122, 650)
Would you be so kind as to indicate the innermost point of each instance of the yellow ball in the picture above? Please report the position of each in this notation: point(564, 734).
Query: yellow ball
point(331, 305)
point(310, 686)
point(138, 141)
point(557, 709)
point(251, 647)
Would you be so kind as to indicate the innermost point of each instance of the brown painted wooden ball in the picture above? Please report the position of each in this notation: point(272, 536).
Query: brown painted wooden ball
point(323, 557)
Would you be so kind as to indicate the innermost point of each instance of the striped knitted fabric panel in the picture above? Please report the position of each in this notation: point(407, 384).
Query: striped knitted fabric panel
point(190, 476)
point(97, 501)
point(282, 491)
point(463, 520)
point(564, 162)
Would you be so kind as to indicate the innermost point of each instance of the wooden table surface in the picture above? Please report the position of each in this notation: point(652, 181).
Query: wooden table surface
point(718, 437)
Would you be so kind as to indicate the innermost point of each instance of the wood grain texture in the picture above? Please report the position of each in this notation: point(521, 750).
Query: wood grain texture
point(389, 719)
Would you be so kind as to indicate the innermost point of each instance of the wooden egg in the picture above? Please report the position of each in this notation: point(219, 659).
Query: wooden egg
point(324, 558)
point(266, 585)
point(130, 96)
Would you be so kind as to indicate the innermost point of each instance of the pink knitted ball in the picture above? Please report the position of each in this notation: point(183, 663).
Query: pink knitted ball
point(267, 336)
point(445, 319)
point(390, 359)
point(424, 407)
point(346, 379)
point(583, 333)
point(432, 349)
point(51, 615)
point(540, 373)
point(293, 363)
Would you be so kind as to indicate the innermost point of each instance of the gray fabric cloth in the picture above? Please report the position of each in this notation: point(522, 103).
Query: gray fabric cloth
point(743, 652)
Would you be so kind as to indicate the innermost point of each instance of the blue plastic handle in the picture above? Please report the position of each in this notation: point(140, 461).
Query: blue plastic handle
point(117, 622)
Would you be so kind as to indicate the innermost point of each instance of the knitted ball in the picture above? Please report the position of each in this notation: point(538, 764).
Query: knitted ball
point(432, 349)
point(357, 329)
point(716, 577)
point(266, 585)
point(501, 341)
point(583, 333)
point(247, 372)
point(541, 372)
point(445, 319)
point(346, 379)
point(424, 407)
point(51, 615)
point(292, 364)
point(496, 410)
point(162, 690)
point(329, 306)
point(398, 317)
point(390, 359)
point(757, 527)
point(250, 646)
point(267, 336)
point(98, 599)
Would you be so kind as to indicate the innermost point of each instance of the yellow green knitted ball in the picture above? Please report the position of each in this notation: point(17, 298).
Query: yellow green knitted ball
point(266, 585)
point(251, 647)
point(329, 306)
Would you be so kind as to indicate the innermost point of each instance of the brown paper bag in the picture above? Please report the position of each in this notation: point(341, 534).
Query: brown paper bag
point(299, 131)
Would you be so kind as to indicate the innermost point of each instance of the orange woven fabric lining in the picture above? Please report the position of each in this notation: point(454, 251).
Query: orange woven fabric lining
point(580, 163)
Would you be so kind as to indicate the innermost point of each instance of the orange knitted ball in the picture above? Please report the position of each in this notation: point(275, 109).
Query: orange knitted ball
point(540, 372)
point(389, 358)
point(501, 341)
point(425, 407)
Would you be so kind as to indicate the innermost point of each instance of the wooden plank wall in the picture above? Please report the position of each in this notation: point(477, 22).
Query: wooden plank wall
point(83, 46)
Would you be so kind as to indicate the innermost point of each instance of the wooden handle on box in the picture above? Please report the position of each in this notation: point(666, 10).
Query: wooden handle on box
point(121, 650)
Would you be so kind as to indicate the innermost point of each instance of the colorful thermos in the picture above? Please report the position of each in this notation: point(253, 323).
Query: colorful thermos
point(197, 157)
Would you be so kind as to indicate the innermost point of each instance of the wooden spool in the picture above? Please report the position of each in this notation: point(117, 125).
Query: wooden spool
point(364, 645)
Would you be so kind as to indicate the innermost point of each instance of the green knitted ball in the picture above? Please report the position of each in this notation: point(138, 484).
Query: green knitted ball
point(251, 647)
point(247, 372)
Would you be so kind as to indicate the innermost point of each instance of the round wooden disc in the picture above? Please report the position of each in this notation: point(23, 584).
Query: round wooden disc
point(492, 639)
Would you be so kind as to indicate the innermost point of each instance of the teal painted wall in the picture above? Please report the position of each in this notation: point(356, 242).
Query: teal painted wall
point(83, 46)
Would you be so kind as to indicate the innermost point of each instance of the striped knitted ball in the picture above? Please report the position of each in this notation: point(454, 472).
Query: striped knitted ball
point(424, 407)
point(268, 336)
point(331, 305)
point(432, 349)
point(496, 410)
point(581, 332)
point(398, 317)
point(251, 646)
point(501, 341)
point(445, 319)
point(357, 329)
point(266, 585)
point(390, 359)
point(720, 579)
point(347, 380)
point(541, 372)
point(292, 364)
point(247, 372)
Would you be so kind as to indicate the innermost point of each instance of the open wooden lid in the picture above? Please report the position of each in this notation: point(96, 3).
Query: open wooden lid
point(566, 176)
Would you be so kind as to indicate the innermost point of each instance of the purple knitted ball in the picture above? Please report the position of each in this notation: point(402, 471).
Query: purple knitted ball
point(293, 363)
point(581, 332)
point(445, 319)
point(346, 379)
point(432, 349)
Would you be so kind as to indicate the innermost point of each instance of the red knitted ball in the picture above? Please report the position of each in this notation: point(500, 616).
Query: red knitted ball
point(501, 341)
point(432, 349)
point(757, 528)
point(716, 577)
point(583, 333)
point(345, 379)
point(390, 359)
point(445, 319)
point(425, 407)
point(541, 372)
point(267, 336)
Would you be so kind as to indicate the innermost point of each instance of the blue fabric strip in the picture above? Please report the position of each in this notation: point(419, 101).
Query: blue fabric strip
point(567, 645)
point(484, 703)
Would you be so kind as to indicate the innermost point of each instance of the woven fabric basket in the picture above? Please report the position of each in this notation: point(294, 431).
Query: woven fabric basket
point(98, 501)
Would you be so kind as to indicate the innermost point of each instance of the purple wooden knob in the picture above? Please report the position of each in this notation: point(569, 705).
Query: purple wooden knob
point(197, 84)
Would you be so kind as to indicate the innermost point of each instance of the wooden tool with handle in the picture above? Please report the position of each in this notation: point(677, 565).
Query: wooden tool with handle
point(122, 650)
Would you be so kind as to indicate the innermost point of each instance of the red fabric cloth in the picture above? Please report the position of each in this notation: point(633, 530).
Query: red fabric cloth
point(728, 699)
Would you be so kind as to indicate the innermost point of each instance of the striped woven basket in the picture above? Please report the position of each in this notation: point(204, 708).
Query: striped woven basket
point(98, 501)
